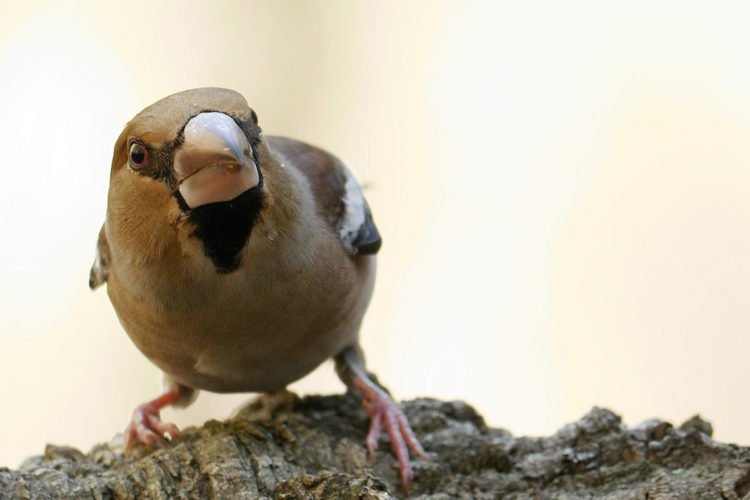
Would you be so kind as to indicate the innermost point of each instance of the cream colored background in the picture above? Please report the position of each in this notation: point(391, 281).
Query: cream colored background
point(563, 189)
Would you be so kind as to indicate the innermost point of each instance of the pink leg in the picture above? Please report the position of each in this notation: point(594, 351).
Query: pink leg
point(383, 413)
point(146, 426)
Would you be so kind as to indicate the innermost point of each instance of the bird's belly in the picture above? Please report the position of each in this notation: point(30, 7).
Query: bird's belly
point(257, 362)
point(240, 343)
point(245, 356)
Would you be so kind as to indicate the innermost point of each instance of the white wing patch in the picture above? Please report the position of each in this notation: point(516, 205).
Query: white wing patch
point(354, 212)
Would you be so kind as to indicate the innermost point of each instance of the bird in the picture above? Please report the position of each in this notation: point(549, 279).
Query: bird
point(238, 262)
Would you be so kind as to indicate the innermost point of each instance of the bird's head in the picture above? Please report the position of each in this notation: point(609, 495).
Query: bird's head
point(194, 156)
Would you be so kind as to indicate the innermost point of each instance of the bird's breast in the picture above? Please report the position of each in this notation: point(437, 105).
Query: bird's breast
point(257, 329)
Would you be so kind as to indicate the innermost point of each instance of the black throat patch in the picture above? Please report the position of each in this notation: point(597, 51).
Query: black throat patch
point(224, 228)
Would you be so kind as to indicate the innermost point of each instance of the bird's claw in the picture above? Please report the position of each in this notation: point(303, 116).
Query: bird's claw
point(147, 427)
point(385, 413)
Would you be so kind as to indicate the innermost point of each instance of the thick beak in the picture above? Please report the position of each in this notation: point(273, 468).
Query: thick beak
point(214, 163)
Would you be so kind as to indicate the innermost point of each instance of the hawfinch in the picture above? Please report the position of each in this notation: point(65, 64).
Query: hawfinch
point(238, 262)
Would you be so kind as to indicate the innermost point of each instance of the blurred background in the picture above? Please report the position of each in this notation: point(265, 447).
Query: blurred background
point(562, 190)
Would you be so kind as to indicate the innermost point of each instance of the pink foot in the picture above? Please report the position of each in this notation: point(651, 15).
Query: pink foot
point(146, 425)
point(384, 412)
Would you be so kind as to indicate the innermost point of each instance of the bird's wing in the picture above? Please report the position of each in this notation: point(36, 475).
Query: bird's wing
point(100, 269)
point(337, 192)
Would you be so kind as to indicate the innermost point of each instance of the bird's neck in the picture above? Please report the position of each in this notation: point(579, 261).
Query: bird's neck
point(224, 228)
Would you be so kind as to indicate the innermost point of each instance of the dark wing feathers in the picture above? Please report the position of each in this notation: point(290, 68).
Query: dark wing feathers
point(368, 240)
point(339, 196)
point(100, 269)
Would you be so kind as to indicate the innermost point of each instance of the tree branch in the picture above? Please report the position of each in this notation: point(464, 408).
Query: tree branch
point(284, 447)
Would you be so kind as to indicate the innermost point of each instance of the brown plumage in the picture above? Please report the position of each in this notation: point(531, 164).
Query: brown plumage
point(237, 262)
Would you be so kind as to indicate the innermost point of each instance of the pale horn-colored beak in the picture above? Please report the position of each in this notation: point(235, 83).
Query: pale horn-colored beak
point(215, 161)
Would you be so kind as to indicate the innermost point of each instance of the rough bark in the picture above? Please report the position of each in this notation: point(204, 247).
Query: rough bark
point(284, 447)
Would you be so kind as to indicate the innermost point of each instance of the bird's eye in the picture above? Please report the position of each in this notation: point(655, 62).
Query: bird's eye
point(138, 155)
